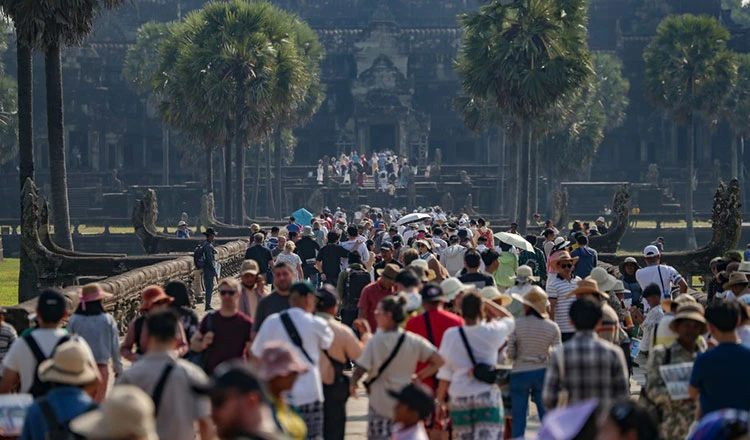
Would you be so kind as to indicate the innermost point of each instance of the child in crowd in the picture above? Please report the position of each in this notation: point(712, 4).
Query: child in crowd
point(415, 404)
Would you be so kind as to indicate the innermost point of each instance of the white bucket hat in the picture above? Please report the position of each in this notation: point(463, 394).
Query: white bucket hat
point(128, 412)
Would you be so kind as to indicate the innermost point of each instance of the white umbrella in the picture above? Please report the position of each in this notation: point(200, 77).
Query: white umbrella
point(412, 218)
point(514, 240)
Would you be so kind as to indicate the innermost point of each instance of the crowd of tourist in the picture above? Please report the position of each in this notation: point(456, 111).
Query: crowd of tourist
point(450, 327)
point(388, 170)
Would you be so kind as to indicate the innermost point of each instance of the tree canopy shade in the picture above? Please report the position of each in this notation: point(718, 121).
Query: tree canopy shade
point(689, 72)
point(736, 109)
point(8, 114)
point(524, 57)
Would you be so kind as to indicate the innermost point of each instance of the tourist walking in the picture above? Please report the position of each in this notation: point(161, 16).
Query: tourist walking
point(628, 268)
point(522, 283)
point(328, 261)
point(289, 257)
point(386, 258)
point(415, 404)
point(350, 285)
point(587, 257)
point(154, 299)
point(452, 257)
point(278, 300)
point(424, 247)
point(652, 297)
point(473, 276)
point(207, 262)
point(535, 259)
point(666, 277)
point(374, 292)
point(307, 249)
point(466, 350)
point(99, 329)
point(252, 289)
point(170, 381)
point(529, 347)
point(71, 376)
point(8, 337)
point(182, 307)
point(676, 415)
point(308, 335)
point(225, 334)
point(260, 254)
point(559, 285)
point(390, 359)
point(345, 347)
point(20, 366)
point(280, 367)
point(506, 269)
point(585, 367)
point(128, 414)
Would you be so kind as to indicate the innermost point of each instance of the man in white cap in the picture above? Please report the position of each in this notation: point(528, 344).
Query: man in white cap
point(182, 230)
point(666, 277)
point(601, 225)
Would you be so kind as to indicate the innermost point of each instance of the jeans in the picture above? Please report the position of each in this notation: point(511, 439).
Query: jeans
point(521, 384)
point(334, 418)
point(208, 283)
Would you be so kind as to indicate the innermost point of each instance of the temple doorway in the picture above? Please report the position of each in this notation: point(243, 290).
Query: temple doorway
point(383, 137)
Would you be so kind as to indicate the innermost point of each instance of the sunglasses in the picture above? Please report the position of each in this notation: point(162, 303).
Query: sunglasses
point(227, 292)
point(566, 265)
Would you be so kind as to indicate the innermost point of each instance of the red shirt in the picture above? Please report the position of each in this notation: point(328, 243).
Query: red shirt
point(440, 321)
point(369, 299)
point(231, 336)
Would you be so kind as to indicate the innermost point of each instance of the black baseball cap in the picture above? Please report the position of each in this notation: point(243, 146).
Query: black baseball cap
point(51, 305)
point(327, 297)
point(386, 246)
point(302, 288)
point(432, 293)
point(416, 397)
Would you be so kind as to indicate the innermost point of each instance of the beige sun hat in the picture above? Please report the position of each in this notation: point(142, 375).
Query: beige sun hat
point(734, 279)
point(490, 293)
point(524, 273)
point(688, 310)
point(605, 281)
point(452, 287)
point(128, 412)
point(423, 270)
point(71, 365)
point(535, 298)
point(587, 287)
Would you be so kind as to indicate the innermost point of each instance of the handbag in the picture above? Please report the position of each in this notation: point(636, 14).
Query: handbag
point(491, 374)
point(563, 396)
point(339, 389)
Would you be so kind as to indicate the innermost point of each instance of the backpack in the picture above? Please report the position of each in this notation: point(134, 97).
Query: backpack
point(139, 321)
point(199, 256)
point(39, 388)
point(57, 430)
point(356, 280)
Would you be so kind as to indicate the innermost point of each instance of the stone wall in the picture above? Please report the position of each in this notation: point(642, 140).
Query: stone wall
point(127, 287)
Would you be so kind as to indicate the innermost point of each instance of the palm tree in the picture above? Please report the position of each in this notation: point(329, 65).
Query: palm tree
point(689, 72)
point(524, 56)
point(737, 110)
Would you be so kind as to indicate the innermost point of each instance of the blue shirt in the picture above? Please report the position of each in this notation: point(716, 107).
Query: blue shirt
point(67, 403)
point(587, 259)
point(293, 227)
point(721, 376)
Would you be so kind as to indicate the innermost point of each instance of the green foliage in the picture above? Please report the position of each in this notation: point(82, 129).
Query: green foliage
point(142, 62)
point(740, 12)
point(737, 105)
point(689, 69)
point(8, 113)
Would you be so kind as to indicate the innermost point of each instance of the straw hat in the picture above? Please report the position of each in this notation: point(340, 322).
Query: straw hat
point(524, 273)
point(249, 266)
point(423, 270)
point(736, 278)
point(490, 293)
point(619, 287)
point(587, 287)
point(128, 412)
point(71, 365)
point(452, 287)
point(152, 295)
point(389, 272)
point(92, 292)
point(605, 281)
point(690, 310)
point(535, 298)
point(681, 300)
point(560, 257)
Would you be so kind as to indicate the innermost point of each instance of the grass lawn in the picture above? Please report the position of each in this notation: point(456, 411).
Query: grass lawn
point(9, 281)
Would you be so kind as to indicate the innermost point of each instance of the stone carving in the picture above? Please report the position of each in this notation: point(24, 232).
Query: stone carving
point(208, 218)
point(446, 202)
point(652, 175)
point(610, 241)
point(469, 206)
point(317, 200)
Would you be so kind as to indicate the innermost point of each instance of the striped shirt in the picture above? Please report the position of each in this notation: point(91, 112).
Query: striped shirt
point(557, 288)
point(7, 337)
point(530, 343)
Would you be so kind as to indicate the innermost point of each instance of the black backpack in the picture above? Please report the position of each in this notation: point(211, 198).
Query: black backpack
point(57, 430)
point(199, 256)
point(39, 388)
point(356, 280)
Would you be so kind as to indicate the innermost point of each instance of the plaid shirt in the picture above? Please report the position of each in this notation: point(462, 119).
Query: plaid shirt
point(594, 369)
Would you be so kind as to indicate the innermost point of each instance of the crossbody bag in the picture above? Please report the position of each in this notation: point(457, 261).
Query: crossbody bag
point(490, 374)
point(387, 362)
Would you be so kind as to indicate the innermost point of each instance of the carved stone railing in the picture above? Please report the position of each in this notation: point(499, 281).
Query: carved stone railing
point(127, 286)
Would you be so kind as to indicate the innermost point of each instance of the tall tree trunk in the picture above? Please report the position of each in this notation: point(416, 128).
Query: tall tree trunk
point(256, 190)
point(691, 242)
point(733, 172)
point(27, 276)
point(279, 159)
point(499, 196)
point(270, 204)
point(165, 154)
point(209, 170)
point(514, 162)
point(56, 135)
point(524, 149)
point(239, 195)
point(227, 196)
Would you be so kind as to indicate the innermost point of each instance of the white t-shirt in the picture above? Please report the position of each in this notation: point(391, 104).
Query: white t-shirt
point(452, 258)
point(485, 340)
point(653, 318)
point(316, 335)
point(21, 360)
point(292, 259)
point(662, 275)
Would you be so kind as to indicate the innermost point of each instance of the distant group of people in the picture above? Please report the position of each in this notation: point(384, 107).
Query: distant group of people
point(388, 170)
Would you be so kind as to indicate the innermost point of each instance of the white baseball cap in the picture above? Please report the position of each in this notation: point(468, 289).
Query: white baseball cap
point(651, 251)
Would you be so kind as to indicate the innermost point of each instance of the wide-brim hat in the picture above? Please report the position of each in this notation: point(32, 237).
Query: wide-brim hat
point(249, 266)
point(524, 273)
point(71, 365)
point(307, 231)
point(128, 412)
point(620, 287)
point(423, 270)
point(535, 298)
point(389, 272)
point(736, 278)
point(693, 311)
point(426, 243)
point(587, 287)
point(629, 260)
point(744, 267)
point(182, 223)
point(452, 287)
point(93, 292)
point(561, 257)
point(604, 281)
point(151, 295)
point(210, 231)
point(490, 293)
point(279, 359)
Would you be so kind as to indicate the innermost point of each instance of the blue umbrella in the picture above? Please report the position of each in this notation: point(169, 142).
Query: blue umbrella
point(303, 216)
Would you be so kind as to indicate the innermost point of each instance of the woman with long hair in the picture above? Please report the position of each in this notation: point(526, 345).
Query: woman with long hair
point(405, 350)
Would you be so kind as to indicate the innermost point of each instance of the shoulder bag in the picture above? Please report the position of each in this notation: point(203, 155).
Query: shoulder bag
point(387, 362)
point(491, 374)
point(291, 330)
